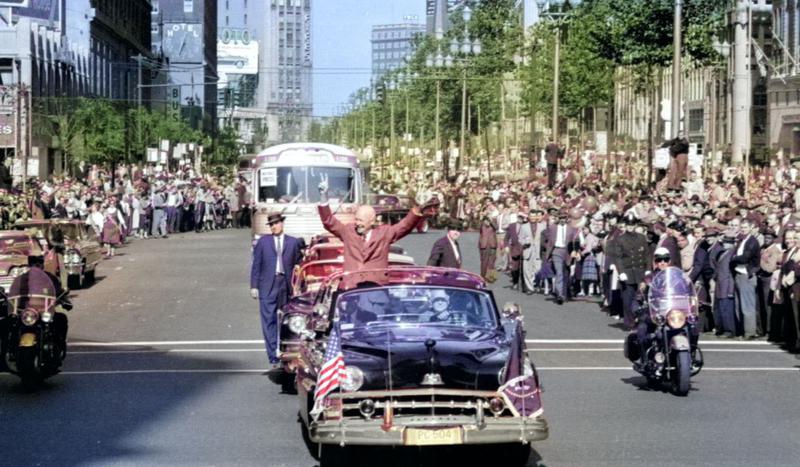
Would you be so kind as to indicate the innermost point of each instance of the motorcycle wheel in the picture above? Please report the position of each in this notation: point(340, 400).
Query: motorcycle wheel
point(27, 369)
point(681, 374)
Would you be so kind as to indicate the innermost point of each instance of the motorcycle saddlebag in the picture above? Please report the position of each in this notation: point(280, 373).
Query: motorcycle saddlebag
point(631, 348)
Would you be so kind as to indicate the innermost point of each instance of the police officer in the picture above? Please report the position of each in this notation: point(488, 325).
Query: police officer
point(631, 254)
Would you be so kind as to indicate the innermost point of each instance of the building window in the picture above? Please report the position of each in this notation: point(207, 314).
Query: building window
point(695, 120)
point(227, 21)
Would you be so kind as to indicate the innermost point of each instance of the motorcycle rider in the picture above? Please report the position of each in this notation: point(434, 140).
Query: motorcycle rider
point(60, 323)
point(661, 260)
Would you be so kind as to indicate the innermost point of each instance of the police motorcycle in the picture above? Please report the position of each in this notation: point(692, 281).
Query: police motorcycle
point(33, 327)
point(664, 347)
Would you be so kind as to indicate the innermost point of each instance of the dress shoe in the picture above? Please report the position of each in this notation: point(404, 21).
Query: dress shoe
point(559, 300)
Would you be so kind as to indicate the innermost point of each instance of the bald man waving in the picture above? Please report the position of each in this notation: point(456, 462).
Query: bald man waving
point(366, 247)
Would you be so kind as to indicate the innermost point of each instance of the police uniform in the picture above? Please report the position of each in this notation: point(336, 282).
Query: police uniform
point(631, 254)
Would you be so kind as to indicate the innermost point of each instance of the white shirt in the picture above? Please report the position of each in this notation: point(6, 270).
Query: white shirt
point(561, 236)
point(279, 250)
point(742, 268)
point(455, 249)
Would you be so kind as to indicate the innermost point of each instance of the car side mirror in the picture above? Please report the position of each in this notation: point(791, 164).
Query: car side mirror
point(512, 311)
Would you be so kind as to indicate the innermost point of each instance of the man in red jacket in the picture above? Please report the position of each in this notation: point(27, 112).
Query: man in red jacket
point(366, 247)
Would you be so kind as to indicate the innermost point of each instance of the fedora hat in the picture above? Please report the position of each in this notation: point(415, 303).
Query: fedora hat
point(275, 217)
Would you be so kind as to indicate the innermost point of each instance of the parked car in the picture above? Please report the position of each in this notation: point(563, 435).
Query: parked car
point(428, 360)
point(15, 248)
point(82, 250)
point(391, 209)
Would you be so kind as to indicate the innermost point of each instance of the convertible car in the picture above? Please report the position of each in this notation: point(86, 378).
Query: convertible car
point(427, 359)
point(307, 280)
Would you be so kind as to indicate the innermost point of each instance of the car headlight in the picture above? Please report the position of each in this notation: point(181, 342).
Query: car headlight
point(73, 257)
point(47, 316)
point(16, 272)
point(29, 317)
point(297, 323)
point(676, 319)
point(353, 379)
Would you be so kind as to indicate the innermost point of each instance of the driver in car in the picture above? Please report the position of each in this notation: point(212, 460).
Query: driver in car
point(438, 308)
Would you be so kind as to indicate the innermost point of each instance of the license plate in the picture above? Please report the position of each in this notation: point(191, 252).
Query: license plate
point(432, 437)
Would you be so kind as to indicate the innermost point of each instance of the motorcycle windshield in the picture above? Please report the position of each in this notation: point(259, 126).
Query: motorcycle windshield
point(672, 290)
point(35, 282)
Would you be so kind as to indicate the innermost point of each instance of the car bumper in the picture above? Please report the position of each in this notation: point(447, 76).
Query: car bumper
point(370, 432)
point(289, 355)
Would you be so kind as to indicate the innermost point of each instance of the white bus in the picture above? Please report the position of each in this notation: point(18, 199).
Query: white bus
point(286, 179)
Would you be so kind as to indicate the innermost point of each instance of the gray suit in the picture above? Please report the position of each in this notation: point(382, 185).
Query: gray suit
point(159, 228)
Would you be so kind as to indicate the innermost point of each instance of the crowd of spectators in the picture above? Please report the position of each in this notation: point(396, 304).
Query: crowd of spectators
point(598, 231)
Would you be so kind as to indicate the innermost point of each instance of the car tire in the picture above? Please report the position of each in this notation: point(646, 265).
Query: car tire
point(333, 455)
point(288, 384)
point(513, 455)
point(76, 281)
point(89, 277)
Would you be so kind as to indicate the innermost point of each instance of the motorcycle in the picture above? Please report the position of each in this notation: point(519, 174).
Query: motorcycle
point(33, 330)
point(664, 348)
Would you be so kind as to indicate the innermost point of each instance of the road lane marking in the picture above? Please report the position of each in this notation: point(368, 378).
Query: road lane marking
point(261, 342)
point(261, 350)
point(264, 370)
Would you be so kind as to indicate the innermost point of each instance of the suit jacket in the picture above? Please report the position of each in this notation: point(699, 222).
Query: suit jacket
point(442, 254)
point(723, 275)
point(360, 254)
point(701, 266)
point(265, 261)
point(552, 238)
point(552, 153)
point(512, 240)
point(488, 235)
point(750, 257)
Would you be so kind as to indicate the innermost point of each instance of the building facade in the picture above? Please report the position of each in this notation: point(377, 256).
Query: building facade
point(393, 44)
point(784, 84)
point(54, 50)
point(184, 32)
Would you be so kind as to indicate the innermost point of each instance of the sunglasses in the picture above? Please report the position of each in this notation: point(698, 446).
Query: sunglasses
point(662, 259)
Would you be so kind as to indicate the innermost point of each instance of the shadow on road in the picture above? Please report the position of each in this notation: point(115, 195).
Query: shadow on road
point(85, 418)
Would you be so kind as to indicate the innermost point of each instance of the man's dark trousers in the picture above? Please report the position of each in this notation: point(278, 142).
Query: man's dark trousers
point(552, 171)
point(269, 305)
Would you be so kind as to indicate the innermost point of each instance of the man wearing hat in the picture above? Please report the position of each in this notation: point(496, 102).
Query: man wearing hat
point(631, 254)
point(446, 252)
point(274, 259)
point(561, 239)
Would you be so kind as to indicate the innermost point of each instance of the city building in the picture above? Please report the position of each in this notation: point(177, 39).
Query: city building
point(266, 69)
point(784, 83)
point(439, 10)
point(392, 44)
point(184, 32)
point(50, 52)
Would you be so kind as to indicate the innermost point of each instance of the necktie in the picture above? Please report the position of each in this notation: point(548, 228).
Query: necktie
point(279, 250)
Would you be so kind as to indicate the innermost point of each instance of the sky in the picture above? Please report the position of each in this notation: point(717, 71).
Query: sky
point(341, 39)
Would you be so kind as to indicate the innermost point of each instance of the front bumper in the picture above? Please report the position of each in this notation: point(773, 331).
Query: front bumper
point(289, 353)
point(369, 432)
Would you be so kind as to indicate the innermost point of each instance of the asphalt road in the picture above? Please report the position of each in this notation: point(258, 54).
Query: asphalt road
point(166, 368)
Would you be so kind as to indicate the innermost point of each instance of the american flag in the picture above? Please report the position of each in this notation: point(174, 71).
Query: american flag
point(331, 373)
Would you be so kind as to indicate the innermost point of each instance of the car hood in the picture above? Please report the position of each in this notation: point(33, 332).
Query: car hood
point(465, 358)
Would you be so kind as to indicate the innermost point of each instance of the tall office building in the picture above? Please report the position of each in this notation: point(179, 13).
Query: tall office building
point(269, 79)
point(439, 8)
point(184, 32)
point(392, 43)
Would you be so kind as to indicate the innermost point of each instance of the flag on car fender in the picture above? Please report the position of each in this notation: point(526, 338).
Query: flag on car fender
point(331, 374)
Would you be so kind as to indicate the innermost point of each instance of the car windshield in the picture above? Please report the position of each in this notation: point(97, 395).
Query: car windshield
point(428, 305)
point(300, 184)
point(19, 245)
point(70, 231)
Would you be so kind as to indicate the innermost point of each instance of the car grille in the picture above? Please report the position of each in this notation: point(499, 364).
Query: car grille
point(421, 403)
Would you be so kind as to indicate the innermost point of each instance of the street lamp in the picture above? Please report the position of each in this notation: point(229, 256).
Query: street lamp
point(553, 10)
point(460, 49)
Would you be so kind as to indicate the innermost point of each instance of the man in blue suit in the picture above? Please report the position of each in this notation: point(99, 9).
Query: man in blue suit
point(274, 259)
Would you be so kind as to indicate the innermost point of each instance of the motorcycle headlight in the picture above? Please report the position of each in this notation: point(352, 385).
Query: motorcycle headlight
point(353, 379)
point(676, 319)
point(47, 316)
point(297, 323)
point(29, 317)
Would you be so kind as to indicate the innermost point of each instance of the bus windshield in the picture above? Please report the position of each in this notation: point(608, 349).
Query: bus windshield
point(300, 184)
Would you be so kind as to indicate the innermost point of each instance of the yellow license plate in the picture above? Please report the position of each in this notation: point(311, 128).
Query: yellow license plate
point(432, 436)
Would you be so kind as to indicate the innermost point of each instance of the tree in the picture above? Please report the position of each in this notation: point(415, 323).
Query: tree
point(226, 147)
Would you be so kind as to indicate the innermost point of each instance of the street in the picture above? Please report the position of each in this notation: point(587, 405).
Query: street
point(166, 367)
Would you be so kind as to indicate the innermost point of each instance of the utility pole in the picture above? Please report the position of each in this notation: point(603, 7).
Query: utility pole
point(437, 141)
point(675, 117)
point(461, 146)
point(742, 89)
point(556, 72)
